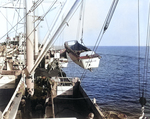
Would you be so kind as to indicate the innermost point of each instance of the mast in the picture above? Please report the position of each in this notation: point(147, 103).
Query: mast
point(36, 50)
point(29, 37)
point(29, 48)
point(35, 36)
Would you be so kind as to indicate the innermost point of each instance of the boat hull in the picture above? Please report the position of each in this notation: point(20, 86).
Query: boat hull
point(86, 63)
point(90, 63)
point(82, 56)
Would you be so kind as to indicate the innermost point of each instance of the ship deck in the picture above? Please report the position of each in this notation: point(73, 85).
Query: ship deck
point(5, 96)
point(47, 103)
point(75, 106)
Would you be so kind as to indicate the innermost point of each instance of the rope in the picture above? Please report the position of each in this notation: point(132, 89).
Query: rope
point(13, 17)
point(36, 4)
point(139, 47)
point(104, 27)
point(148, 48)
point(61, 36)
point(67, 23)
point(18, 11)
point(143, 86)
point(45, 18)
point(18, 16)
point(59, 12)
point(78, 28)
point(83, 74)
point(14, 26)
point(144, 80)
point(60, 30)
point(83, 24)
point(55, 19)
point(7, 25)
point(53, 24)
point(81, 19)
point(42, 18)
point(72, 98)
point(20, 20)
point(106, 24)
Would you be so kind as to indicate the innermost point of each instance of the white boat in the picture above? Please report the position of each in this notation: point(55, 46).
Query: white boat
point(82, 55)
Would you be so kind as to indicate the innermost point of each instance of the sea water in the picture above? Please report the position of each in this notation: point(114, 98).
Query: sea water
point(115, 83)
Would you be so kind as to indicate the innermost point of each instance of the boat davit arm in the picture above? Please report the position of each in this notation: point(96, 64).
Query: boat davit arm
point(55, 34)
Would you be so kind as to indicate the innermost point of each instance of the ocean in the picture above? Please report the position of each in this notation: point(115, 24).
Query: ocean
point(115, 84)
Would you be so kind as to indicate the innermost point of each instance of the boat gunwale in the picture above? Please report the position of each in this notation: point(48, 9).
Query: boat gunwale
point(68, 48)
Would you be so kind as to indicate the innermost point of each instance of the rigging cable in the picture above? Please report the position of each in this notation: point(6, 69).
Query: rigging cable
point(139, 48)
point(82, 22)
point(146, 59)
point(45, 18)
point(45, 38)
point(18, 18)
point(14, 19)
point(143, 86)
point(42, 18)
point(18, 15)
point(148, 47)
point(66, 22)
point(104, 27)
point(35, 5)
point(53, 24)
point(106, 23)
point(7, 22)
point(19, 21)
point(81, 19)
point(13, 26)
point(57, 33)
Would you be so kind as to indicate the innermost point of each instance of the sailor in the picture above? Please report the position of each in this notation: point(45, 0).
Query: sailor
point(39, 110)
point(48, 110)
point(90, 116)
point(22, 105)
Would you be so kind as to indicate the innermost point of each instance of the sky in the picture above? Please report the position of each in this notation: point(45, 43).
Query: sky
point(123, 27)
point(122, 31)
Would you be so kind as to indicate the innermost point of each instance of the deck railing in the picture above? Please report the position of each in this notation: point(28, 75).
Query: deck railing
point(11, 109)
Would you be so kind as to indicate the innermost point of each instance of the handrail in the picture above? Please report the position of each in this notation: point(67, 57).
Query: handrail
point(13, 105)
